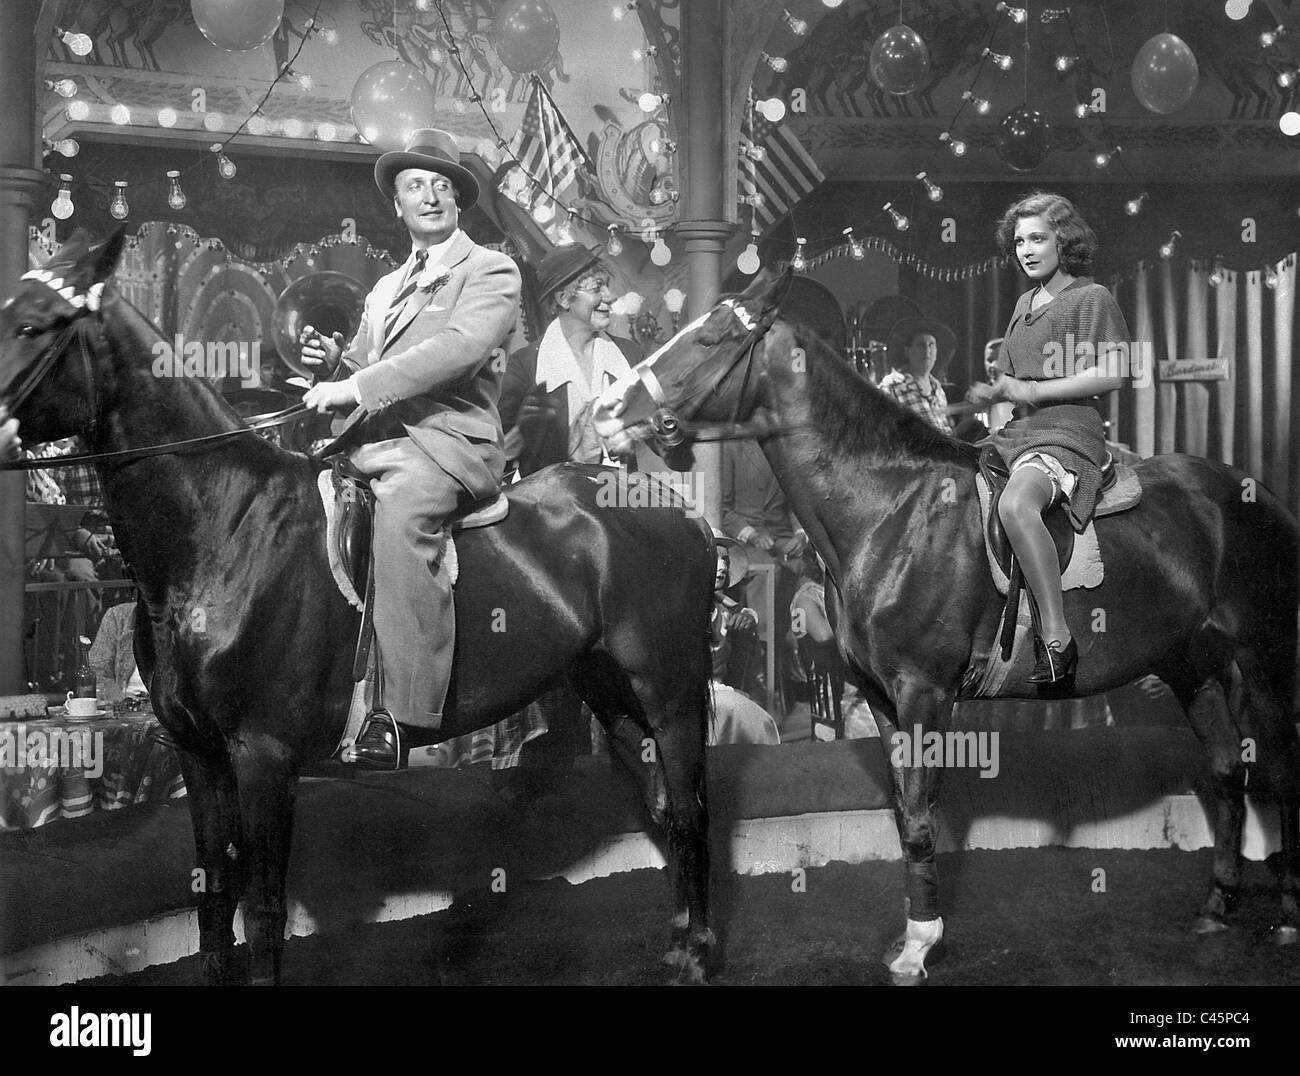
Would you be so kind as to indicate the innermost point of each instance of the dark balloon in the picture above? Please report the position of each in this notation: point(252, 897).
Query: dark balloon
point(1165, 74)
point(526, 35)
point(900, 60)
point(1022, 139)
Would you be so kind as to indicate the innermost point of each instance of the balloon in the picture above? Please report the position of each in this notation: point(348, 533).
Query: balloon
point(390, 102)
point(900, 60)
point(525, 35)
point(1165, 74)
point(1022, 139)
point(238, 25)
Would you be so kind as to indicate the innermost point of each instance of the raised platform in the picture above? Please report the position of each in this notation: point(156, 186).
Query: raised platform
point(111, 893)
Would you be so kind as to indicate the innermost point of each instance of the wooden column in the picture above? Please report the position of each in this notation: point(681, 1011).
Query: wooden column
point(21, 185)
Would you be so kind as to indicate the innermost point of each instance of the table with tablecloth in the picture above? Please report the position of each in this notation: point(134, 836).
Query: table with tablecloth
point(121, 763)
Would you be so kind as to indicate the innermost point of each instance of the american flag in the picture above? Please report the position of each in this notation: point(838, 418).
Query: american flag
point(545, 145)
point(785, 175)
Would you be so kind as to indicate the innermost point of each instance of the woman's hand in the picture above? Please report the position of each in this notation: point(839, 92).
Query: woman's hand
point(11, 445)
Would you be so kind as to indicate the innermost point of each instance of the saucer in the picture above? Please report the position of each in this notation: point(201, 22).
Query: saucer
point(61, 712)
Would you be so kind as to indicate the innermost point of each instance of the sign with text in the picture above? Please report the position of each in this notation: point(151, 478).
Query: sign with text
point(1196, 370)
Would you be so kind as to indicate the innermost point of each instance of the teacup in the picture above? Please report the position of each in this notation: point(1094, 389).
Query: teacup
point(81, 707)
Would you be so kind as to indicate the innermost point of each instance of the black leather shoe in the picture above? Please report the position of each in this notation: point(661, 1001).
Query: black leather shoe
point(1055, 663)
point(379, 745)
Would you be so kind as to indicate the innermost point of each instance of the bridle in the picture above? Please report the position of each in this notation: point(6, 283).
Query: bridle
point(39, 370)
point(669, 430)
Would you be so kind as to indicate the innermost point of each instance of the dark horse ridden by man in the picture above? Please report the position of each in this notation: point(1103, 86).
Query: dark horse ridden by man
point(247, 644)
point(1200, 585)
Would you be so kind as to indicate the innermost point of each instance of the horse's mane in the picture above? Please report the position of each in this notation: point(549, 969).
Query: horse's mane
point(858, 419)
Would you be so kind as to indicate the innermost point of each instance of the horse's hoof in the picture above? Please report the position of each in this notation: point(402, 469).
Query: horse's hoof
point(908, 980)
point(1209, 924)
point(1286, 935)
point(906, 958)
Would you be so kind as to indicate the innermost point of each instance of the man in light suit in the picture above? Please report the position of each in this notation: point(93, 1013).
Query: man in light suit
point(424, 372)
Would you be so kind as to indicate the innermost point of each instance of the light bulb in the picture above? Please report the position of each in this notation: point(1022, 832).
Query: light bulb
point(658, 196)
point(799, 263)
point(776, 63)
point(120, 114)
point(1001, 60)
point(1101, 160)
point(1167, 248)
point(331, 35)
point(1270, 277)
point(64, 87)
point(118, 208)
point(749, 262)
point(214, 121)
point(659, 253)
point(613, 245)
point(855, 245)
point(1217, 276)
point(933, 191)
point(900, 221)
point(78, 44)
point(175, 196)
point(78, 109)
point(1237, 9)
point(772, 109)
point(978, 103)
point(1286, 78)
point(293, 128)
point(832, 4)
point(326, 132)
point(1064, 63)
point(543, 211)
point(755, 153)
point(797, 26)
point(260, 125)
point(649, 102)
point(167, 117)
point(958, 147)
point(62, 206)
point(674, 300)
point(1134, 205)
point(1289, 124)
point(1082, 109)
point(69, 147)
point(226, 166)
point(1015, 14)
point(756, 200)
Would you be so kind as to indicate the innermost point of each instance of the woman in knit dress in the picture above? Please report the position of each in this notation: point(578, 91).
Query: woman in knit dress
point(1059, 357)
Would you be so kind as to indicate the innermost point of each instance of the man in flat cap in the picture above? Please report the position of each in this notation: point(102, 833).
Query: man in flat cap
point(424, 374)
point(550, 386)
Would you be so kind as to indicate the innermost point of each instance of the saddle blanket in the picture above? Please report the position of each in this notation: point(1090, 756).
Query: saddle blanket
point(326, 487)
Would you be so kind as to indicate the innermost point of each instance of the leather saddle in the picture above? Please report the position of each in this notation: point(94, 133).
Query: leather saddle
point(355, 504)
point(996, 473)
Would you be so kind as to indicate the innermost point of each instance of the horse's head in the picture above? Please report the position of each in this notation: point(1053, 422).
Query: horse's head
point(708, 372)
point(46, 376)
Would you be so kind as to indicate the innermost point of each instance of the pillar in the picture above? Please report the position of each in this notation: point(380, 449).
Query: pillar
point(20, 186)
point(703, 226)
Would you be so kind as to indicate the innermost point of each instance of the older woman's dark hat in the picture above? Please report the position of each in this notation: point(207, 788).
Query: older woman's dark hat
point(435, 151)
point(907, 329)
point(563, 265)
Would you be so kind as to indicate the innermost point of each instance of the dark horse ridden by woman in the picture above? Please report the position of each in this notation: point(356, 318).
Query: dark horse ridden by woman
point(247, 644)
point(1200, 578)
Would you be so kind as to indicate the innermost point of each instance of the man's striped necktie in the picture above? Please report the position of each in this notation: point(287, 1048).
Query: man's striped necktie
point(408, 289)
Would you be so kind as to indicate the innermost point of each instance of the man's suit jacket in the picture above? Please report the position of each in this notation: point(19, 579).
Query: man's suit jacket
point(439, 378)
point(545, 441)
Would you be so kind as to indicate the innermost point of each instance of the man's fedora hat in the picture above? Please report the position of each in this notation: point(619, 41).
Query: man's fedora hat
point(435, 151)
point(560, 265)
point(903, 331)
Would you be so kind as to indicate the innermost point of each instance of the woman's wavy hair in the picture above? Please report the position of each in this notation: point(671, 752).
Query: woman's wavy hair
point(1076, 242)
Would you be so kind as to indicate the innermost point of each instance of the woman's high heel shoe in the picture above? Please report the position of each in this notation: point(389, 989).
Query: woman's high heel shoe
point(1055, 662)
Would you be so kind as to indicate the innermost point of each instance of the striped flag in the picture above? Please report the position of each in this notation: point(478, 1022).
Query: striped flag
point(545, 145)
point(785, 175)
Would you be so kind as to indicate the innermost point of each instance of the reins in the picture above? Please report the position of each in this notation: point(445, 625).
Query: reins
point(41, 368)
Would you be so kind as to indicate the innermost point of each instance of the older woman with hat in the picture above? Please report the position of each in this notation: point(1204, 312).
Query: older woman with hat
point(920, 348)
point(549, 387)
point(423, 375)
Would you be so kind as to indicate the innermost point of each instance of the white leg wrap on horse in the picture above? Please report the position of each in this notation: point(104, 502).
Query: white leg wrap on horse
point(917, 941)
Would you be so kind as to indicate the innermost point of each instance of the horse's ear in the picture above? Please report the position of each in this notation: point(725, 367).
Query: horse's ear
point(767, 291)
point(106, 256)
